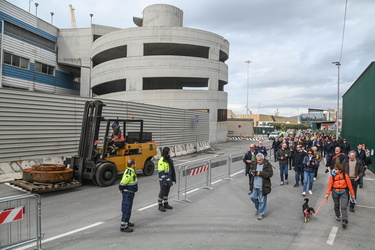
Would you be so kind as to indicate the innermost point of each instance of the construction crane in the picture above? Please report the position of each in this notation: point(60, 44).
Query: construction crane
point(73, 16)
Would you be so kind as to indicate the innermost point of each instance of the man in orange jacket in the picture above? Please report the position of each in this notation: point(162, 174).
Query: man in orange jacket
point(338, 184)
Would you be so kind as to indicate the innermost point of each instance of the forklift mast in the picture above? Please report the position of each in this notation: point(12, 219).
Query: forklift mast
point(90, 129)
point(84, 163)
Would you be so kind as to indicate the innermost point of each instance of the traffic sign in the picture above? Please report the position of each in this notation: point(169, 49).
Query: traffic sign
point(196, 119)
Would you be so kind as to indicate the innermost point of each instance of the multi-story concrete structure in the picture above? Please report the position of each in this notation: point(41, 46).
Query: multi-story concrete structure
point(163, 63)
point(160, 62)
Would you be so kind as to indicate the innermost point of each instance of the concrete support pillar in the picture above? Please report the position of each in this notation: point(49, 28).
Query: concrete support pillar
point(134, 49)
point(213, 82)
point(85, 82)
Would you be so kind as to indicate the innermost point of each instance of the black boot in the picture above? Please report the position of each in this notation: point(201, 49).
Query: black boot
point(167, 206)
point(125, 228)
point(161, 208)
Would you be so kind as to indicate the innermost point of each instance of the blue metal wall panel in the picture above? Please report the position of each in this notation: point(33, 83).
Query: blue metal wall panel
point(27, 26)
point(61, 79)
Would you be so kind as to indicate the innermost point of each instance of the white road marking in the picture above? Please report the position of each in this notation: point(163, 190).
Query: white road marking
point(63, 235)
point(149, 206)
point(216, 181)
point(239, 172)
point(364, 206)
point(191, 191)
point(369, 179)
point(332, 236)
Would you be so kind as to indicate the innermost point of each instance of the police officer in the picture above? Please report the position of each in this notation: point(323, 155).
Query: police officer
point(167, 176)
point(128, 187)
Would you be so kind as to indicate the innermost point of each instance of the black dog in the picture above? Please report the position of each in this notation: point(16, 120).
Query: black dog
point(307, 211)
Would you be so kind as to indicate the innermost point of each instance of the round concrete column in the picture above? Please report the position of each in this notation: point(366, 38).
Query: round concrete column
point(162, 15)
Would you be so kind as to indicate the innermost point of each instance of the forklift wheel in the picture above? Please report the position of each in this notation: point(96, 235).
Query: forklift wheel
point(148, 168)
point(106, 174)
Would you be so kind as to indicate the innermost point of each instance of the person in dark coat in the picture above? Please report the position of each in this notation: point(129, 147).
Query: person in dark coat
point(275, 146)
point(334, 159)
point(298, 157)
point(250, 157)
point(345, 147)
point(260, 184)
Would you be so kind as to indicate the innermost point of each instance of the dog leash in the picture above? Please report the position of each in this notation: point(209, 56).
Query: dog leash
point(321, 204)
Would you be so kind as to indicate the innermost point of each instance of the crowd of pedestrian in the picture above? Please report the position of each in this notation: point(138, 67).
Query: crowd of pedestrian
point(303, 154)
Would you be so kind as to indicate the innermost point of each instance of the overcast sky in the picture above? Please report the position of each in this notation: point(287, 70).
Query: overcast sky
point(291, 43)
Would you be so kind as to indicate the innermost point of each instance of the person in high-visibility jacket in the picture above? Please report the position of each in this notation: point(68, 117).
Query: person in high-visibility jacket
point(128, 187)
point(167, 176)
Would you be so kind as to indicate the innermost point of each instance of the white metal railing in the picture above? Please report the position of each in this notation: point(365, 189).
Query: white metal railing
point(20, 221)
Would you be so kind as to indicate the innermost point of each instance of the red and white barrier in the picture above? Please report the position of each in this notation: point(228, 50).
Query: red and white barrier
point(11, 214)
point(198, 170)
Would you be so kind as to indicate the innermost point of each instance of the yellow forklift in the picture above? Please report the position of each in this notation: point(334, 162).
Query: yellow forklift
point(95, 162)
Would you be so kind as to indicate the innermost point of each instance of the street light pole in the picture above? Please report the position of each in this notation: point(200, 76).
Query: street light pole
point(338, 64)
point(36, 9)
point(247, 90)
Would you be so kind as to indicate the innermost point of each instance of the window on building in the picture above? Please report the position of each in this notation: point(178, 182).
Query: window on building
point(222, 115)
point(44, 68)
point(15, 30)
point(16, 61)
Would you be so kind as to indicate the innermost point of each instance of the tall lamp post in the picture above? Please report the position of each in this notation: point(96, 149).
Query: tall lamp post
point(338, 64)
point(247, 89)
point(52, 17)
point(91, 18)
point(36, 9)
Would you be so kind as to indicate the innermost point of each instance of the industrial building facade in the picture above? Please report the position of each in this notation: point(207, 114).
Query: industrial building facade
point(28, 54)
point(358, 119)
point(160, 62)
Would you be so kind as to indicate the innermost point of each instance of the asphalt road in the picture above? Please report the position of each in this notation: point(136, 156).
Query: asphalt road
point(223, 218)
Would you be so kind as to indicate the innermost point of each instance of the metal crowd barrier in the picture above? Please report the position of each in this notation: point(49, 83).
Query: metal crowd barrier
point(20, 221)
point(203, 174)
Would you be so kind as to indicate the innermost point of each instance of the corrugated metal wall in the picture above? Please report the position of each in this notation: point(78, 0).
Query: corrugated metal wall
point(35, 125)
point(358, 111)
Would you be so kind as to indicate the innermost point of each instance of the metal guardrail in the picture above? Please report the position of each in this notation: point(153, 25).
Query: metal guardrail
point(20, 221)
point(203, 174)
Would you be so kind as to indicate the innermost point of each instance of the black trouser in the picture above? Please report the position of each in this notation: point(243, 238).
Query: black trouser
point(290, 160)
point(274, 154)
point(163, 195)
point(355, 186)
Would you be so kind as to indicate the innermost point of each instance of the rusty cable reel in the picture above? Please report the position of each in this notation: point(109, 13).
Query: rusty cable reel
point(48, 167)
point(48, 173)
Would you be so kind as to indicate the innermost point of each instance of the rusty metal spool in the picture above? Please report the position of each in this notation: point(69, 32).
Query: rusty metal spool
point(48, 167)
point(48, 173)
